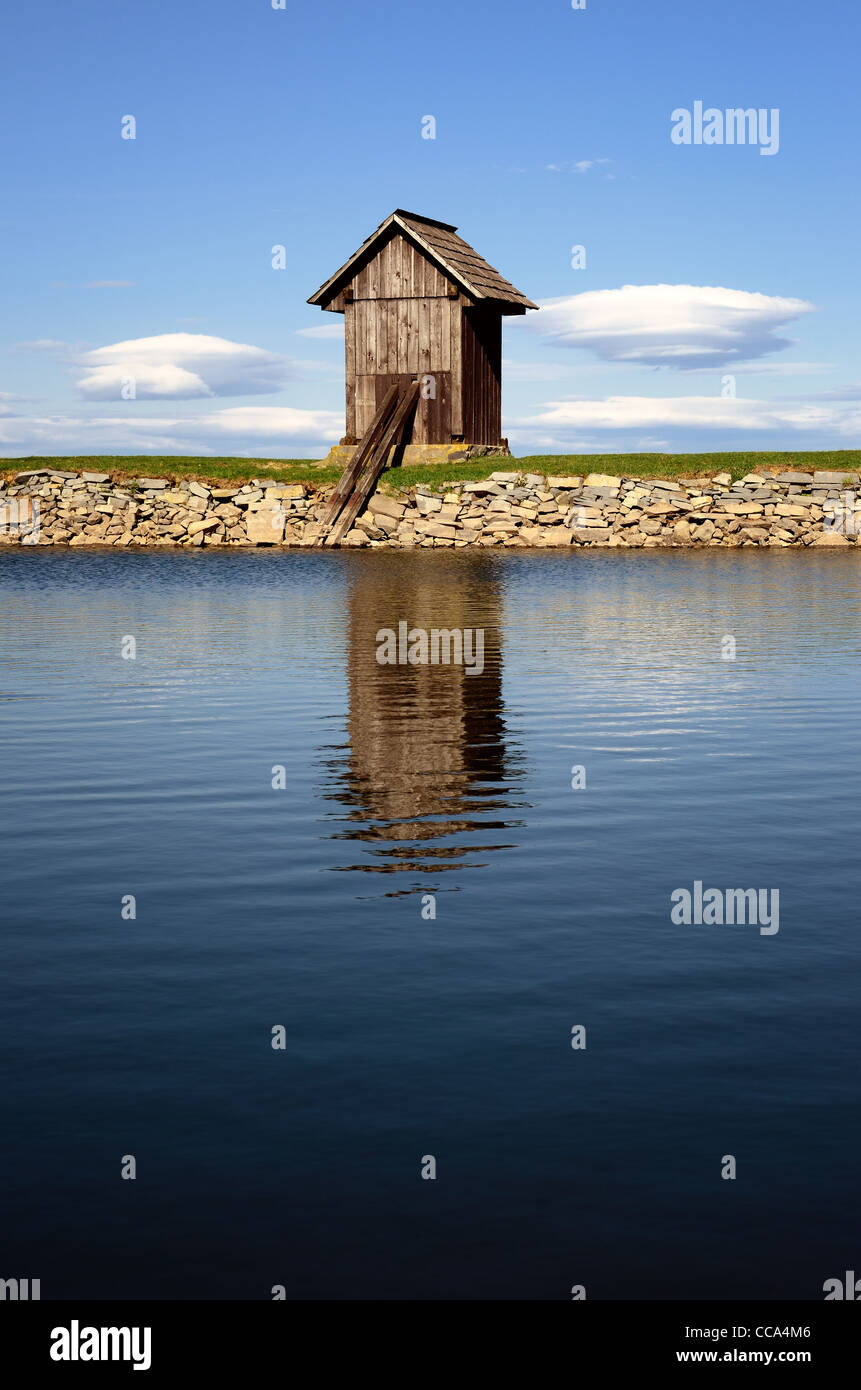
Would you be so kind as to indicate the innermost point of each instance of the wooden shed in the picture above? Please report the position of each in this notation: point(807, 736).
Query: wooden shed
point(420, 304)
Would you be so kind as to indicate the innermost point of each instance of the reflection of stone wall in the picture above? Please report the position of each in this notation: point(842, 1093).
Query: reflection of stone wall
point(423, 739)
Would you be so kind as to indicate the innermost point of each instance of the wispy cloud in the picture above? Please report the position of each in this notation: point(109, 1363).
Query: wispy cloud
point(745, 369)
point(619, 413)
point(42, 345)
point(323, 330)
point(580, 166)
point(851, 392)
point(539, 371)
point(276, 430)
point(92, 285)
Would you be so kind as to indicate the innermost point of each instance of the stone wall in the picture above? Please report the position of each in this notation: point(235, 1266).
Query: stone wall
point(507, 509)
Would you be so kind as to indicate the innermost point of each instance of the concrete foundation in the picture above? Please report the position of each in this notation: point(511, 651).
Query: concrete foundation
point(415, 454)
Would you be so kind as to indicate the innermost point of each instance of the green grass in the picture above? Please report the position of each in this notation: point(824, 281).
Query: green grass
point(125, 468)
point(693, 465)
point(241, 470)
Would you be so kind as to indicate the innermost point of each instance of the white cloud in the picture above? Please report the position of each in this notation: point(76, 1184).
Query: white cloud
point(678, 326)
point(277, 431)
point(181, 366)
point(109, 284)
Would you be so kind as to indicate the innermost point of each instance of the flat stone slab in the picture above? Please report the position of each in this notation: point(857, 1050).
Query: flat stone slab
point(265, 524)
point(381, 505)
point(482, 489)
point(290, 492)
point(436, 530)
point(826, 479)
point(792, 509)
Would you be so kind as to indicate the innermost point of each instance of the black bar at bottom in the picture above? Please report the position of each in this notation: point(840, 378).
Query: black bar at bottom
point(219, 1338)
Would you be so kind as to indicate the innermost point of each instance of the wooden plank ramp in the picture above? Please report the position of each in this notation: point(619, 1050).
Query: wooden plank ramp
point(349, 477)
point(388, 428)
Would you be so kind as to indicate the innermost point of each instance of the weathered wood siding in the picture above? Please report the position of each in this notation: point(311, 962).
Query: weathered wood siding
point(399, 270)
point(403, 335)
point(482, 375)
point(402, 322)
point(350, 372)
point(403, 319)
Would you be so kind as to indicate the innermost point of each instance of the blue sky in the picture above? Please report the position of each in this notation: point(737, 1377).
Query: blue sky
point(301, 127)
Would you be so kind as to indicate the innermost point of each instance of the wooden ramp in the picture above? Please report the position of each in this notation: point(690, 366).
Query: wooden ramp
point(388, 428)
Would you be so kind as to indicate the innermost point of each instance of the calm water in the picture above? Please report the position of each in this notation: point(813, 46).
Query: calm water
point(405, 1036)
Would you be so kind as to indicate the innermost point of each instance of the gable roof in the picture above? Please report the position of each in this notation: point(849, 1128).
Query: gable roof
point(440, 242)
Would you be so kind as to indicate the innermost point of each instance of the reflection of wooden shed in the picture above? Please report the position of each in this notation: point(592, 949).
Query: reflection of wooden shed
point(420, 304)
point(443, 801)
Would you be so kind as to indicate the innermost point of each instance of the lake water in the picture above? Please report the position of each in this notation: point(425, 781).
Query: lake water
point(406, 1036)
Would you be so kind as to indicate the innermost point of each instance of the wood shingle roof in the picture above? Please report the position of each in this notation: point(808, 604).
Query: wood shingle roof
point(440, 242)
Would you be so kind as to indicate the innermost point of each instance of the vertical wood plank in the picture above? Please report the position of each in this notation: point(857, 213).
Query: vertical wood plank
point(436, 356)
point(396, 272)
point(468, 392)
point(382, 309)
point(350, 368)
point(402, 336)
point(413, 336)
point(372, 310)
point(455, 314)
point(361, 341)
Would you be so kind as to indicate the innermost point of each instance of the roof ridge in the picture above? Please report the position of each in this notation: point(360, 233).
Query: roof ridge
point(419, 217)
